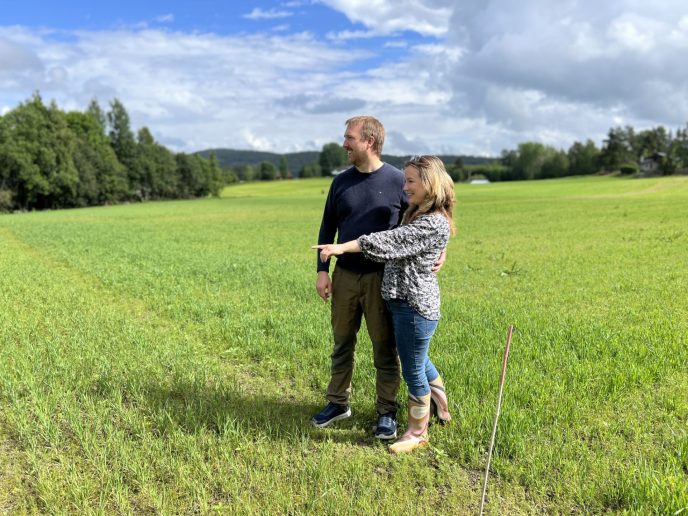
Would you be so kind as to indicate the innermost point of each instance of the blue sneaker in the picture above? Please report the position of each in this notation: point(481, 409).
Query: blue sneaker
point(386, 426)
point(332, 412)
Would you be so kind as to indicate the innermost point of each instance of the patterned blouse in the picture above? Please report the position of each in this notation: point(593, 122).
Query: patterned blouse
point(409, 252)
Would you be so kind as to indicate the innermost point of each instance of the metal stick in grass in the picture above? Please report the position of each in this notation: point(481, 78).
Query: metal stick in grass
point(499, 407)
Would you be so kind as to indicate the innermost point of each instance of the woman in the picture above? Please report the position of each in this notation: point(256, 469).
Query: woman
point(410, 288)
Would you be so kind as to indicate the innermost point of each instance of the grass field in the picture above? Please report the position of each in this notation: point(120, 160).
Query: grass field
point(166, 358)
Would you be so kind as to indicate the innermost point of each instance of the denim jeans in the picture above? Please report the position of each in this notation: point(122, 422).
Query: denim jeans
point(413, 332)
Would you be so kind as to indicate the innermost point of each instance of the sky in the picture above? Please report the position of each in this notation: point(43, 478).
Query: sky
point(470, 77)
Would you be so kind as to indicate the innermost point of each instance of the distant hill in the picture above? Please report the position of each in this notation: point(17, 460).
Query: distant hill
point(447, 159)
point(231, 157)
point(297, 160)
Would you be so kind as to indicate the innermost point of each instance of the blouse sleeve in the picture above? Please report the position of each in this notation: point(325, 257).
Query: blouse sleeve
point(404, 241)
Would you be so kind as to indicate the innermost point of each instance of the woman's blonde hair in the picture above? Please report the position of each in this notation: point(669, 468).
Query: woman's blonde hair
point(439, 189)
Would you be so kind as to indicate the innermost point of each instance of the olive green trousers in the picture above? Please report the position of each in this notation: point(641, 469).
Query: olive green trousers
point(355, 296)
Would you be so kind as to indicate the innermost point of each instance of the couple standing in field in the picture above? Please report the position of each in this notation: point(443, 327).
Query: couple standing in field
point(392, 230)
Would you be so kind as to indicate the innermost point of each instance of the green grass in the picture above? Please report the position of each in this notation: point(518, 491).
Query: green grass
point(166, 358)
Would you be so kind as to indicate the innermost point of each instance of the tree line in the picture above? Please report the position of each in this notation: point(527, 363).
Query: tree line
point(55, 159)
point(622, 151)
point(331, 157)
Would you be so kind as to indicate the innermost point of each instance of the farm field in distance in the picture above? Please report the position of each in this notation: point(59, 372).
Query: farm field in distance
point(167, 357)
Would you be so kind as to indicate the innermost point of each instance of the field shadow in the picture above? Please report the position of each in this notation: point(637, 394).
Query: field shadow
point(187, 407)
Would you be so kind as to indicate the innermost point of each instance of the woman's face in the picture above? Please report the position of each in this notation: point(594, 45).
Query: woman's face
point(413, 186)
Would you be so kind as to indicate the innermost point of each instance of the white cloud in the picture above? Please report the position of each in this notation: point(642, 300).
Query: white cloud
point(15, 57)
point(262, 14)
point(633, 33)
point(568, 68)
point(165, 18)
point(411, 145)
point(395, 44)
point(683, 24)
point(552, 71)
point(428, 17)
point(204, 89)
point(255, 142)
point(298, 3)
point(345, 35)
point(487, 75)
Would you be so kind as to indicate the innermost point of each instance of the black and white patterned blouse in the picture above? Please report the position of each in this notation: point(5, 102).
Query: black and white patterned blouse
point(409, 252)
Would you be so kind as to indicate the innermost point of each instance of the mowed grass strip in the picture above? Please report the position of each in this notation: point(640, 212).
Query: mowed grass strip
point(166, 357)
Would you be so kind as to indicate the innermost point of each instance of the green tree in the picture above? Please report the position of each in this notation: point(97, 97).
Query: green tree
point(529, 160)
point(310, 170)
point(198, 177)
point(617, 148)
point(52, 159)
point(37, 156)
point(191, 175)
point(157, 167)
point(229, 176)
point(124, 145)
point(456, 170)
point(98, 114)
point(245, 172)
point(332, 157)
point(583, 158)
point(650, 141)
point(102, 178)
point(679, 148)
point(214, 175)
point(669, 165)
point(283, 168)
point(556, 164)
point(508, 158)
point(19, 175)
point(6, 201)
point(268, 172)
point(494, 171)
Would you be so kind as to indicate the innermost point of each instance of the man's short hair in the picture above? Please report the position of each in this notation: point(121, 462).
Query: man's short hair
point(370, 126)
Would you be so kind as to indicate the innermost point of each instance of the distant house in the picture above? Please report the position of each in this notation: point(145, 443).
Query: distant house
point(650, 164)
point(480, 181)
point(338, 171)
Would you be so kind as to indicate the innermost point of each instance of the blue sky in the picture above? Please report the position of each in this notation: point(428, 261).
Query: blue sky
point(220, 17)
point(444, 76)
point(205, 16)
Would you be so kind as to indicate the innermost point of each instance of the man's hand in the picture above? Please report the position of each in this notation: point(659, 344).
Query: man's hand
point(323, 285)
point(440, 261)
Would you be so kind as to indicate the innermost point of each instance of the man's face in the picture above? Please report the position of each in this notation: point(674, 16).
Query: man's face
point(356, 147)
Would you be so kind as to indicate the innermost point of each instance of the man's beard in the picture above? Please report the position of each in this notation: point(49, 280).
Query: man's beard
point(356, 159)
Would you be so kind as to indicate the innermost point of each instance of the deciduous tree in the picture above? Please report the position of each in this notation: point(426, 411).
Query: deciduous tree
point(332, 157)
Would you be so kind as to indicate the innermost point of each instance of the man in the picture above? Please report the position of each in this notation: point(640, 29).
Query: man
point(366, 198)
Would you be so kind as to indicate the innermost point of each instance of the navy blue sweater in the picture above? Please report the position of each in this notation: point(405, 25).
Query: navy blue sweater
point(359, 204)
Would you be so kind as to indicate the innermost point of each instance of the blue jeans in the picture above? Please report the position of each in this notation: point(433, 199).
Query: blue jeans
point(413, 332)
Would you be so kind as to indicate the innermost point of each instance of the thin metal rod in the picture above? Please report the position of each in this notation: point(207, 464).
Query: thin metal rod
point(499, 407)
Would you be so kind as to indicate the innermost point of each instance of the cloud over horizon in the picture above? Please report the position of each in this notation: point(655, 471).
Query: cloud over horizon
point(470, 77)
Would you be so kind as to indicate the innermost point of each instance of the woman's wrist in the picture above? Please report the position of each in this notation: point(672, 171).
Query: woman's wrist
point(352, 246)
